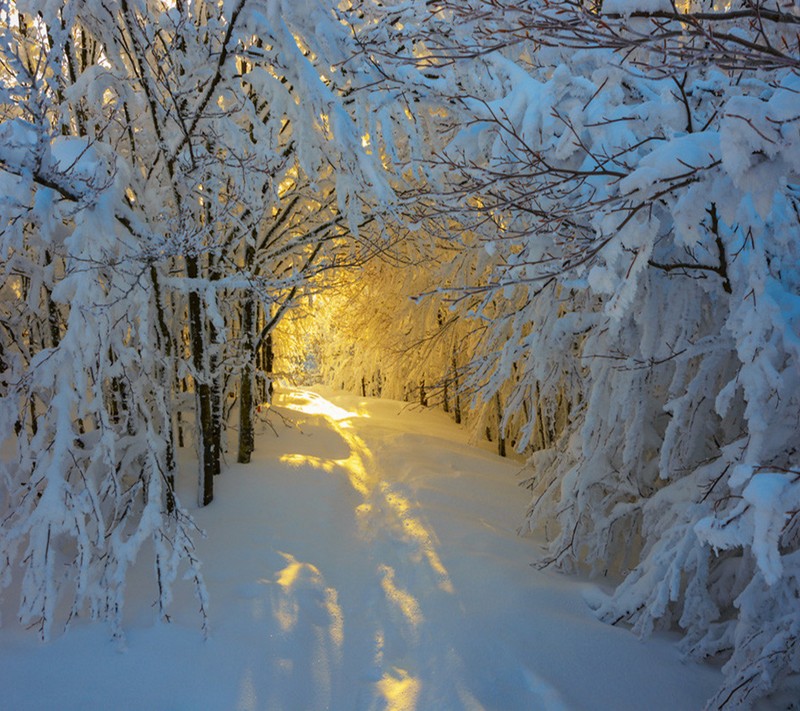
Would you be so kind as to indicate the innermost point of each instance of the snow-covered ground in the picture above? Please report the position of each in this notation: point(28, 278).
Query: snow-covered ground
point(367, 559)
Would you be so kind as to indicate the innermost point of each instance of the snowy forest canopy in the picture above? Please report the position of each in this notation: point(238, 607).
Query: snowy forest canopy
point(573, 226)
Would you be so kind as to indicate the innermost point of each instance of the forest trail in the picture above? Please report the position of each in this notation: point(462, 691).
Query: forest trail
point(366, 560)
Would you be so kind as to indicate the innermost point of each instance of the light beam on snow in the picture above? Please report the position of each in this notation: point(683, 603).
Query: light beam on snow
point(400, 690)
point(327, 465)
point(415, 530)
point(313, 404)
point(379, 498)
point(404, 601)
point(296, 576)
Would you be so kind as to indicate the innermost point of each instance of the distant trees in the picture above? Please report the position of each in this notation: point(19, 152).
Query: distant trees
point(173, 176)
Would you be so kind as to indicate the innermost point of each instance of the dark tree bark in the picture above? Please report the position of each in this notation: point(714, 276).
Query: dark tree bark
point(246, 404)
point(215, 385)
point(501, 437)
point(165, 341)
point(205, 416)
point(457, 395)
point(269, 364)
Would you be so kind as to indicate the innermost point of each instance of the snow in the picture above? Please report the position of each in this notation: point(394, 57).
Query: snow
point(768, 494)
point(368, 558)
point(626, 7)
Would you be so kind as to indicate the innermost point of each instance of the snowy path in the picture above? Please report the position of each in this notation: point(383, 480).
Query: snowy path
point(366, 560)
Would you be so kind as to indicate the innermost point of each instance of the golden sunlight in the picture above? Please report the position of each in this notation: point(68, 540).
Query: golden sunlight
point(312, 404)
point(405, 602)
point(379, 498)
point(415, 530)
point(400, 690)
point(288, 181)
point(286, 610)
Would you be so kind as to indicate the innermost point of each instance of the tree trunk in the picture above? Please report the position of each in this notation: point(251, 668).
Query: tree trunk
point(165, 342)
point(53, 317)
point(205, 417)
point(215, 388)
point(457, 395)
point(246, 431)
point(179, 412)
point(216, 381)
point(501, 437)
point(269, 362)
point(265, 357)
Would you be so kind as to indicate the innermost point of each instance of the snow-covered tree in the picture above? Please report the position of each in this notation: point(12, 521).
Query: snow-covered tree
point(629, 174)
point(172, 175)
point(594, 206)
